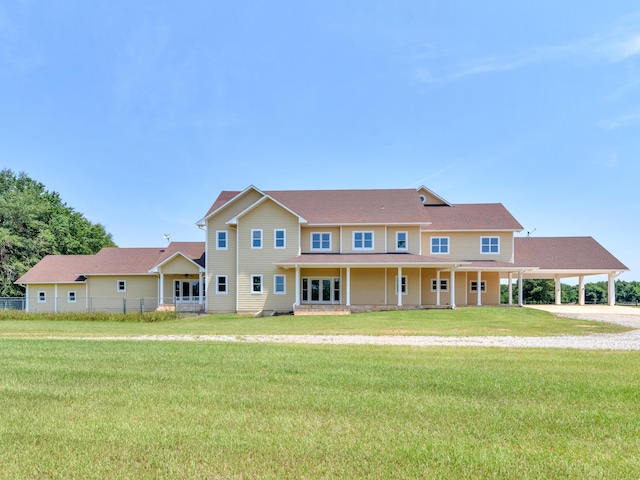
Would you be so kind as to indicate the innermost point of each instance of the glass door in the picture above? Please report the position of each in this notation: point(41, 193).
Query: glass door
point(320, 290)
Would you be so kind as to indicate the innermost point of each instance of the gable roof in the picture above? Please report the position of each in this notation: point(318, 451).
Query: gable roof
point(109, 261)
point(565, 253)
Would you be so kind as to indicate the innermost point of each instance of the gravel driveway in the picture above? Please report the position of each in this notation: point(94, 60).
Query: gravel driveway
point(617, 341)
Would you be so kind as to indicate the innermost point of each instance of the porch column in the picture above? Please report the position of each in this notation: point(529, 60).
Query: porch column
point(558, 291)
point(479, 288)
point(511, 288)
point(437, 288)
point(348, 286)
point(297, 285)
point(612, 289)
point(200, 289)
point(161, 300)
point(452, 289)
point(581, 291)
point(520, 299)
point(399, 286)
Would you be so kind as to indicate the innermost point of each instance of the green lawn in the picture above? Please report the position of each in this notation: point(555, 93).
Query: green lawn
point(83, 409)
point(467, 321)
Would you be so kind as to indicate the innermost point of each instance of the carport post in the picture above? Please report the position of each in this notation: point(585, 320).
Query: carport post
point(510, 288)
point(612, 289)
point(558, 291)
point(520, 301)
point(581, 291)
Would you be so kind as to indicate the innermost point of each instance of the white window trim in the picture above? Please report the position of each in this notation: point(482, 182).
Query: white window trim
point(406, 241)
point(42, 296)
point(442, 281)
point(440, 246)
point(284, 284)
point(254, 275)
point(275, 238)
point(226, 284)
point(253, 230)
point(320, 249)
point(226, 240)
point(363, 232)
point(489, 253)
point(124, 286)
point(483, 286)
point(71, 293)
point(406, 285)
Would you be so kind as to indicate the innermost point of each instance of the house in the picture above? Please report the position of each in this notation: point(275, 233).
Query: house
point(310, 251)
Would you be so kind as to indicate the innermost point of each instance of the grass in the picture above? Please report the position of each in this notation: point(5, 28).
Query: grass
point(468, 321)
point(82, 409)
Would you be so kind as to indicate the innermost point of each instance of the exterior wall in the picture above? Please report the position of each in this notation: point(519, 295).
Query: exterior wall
point(413, 239)
point(305, 238)
point(412, 297)
point(367, 286)
point(104, 295)
point(466, 245)
point(492, 294)
point(179, 266)
point(268, 216)
point(429, 296)
point(46, 307)
point(378, 238)
point(169, 289)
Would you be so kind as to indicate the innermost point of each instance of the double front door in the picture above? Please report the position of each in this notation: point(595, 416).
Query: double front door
point(186, 291)
point(321, 290)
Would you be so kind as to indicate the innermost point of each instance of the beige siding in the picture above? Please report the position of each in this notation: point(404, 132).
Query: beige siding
point(413, 237)
point(103, 293)
point(461, 288)
point(367, 286)
point(305, 238)
point(268, 216)
point(412, 296)
point(49, 305)
point(179, 266)
point(466, 245)
point(378, 239)
point(492, 294)
point(429, 296)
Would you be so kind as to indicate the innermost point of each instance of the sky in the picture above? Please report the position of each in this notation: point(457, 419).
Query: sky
point(139, 113)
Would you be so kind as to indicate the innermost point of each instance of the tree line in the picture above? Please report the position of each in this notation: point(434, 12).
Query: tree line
point(543, 292)
point(35, 222)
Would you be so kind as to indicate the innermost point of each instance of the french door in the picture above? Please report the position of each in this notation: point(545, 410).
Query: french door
point(321, 290)
point(186, 291)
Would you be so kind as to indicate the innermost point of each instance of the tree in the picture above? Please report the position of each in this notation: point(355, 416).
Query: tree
point(34, 223)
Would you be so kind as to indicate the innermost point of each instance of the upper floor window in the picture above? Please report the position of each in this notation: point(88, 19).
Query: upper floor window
point(280, 238)
point(321, 241)
point(489, 244)
point(402, 242)
point(439, 245)
point(363, 240)
point(121, 286)
point(221, 240)
point(256, 238)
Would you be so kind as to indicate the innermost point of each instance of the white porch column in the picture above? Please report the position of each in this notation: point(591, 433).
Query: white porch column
point(510, 288)
point(348, 286)
point(452, 288)
point(437, 288)
point(520, 299)
point(200, 289)
point(612, 289)
point(297, 285)
point(558, 291)
point(161, 299)
point(479, 288)
point(581, 290)
point(399, 286)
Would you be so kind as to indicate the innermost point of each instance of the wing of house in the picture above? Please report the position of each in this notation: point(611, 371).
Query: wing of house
point(323, 250)
point(117, 279)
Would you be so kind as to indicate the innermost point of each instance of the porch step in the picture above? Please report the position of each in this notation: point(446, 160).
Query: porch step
point(322, 310)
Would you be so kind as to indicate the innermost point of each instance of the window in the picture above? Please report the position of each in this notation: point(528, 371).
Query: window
point(221, 284)
point(401, 241)
point(279, 238)
point(256, 238)
point(121, 286)
point(256, 283)
point(221, 240)
point(489, 244)
point(474, 286)
point(403, 285)
point(71, 297)
point(320, 241)
point(42, 297)
point(279, 285)
point(444, 285)
point(363, 240)
point(439, 245)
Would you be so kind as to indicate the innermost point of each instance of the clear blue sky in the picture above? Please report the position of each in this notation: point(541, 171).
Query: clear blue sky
point(140, 113)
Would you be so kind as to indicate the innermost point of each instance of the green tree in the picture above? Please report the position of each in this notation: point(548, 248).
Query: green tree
point(34, 223)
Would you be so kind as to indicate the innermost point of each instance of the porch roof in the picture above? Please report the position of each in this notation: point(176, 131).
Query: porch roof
point(367, 260)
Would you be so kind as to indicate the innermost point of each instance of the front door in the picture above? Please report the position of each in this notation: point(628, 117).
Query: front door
point(186, 291)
